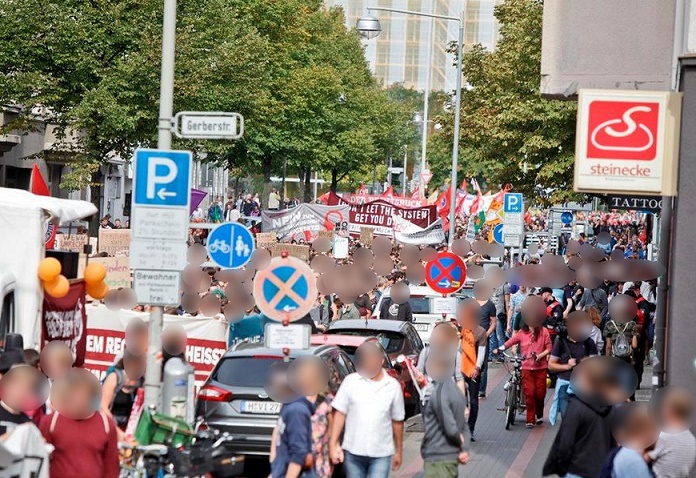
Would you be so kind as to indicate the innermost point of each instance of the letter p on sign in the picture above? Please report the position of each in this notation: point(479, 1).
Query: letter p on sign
point(160, 171)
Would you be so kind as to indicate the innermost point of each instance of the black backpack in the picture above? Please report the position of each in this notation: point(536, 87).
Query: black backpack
point(608, 465)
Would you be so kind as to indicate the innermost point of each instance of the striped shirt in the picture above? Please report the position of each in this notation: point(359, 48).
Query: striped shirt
point(674, 455)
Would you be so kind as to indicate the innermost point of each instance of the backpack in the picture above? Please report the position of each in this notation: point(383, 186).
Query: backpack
point(620, 347)
point(608, 465)
point(105, 421)
point(120, 380)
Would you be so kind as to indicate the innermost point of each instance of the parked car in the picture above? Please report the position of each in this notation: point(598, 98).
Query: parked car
point(350, 343)
point(397, 338)
point(426, 305)
point(234, 400)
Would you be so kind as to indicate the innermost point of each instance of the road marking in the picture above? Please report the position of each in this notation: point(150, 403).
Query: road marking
point(531, 444)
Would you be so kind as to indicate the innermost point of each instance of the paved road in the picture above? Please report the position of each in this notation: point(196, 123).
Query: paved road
point(497, 453)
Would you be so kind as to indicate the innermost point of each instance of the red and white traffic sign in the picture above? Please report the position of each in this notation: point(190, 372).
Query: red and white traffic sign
point(426, 176)
point(286, 289)
point(627, 141)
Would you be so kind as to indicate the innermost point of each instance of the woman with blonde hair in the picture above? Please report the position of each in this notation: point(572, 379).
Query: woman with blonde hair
point(596, 333)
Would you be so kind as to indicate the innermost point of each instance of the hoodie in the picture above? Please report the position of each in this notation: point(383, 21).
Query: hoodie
point(583, 440)
point(445, 424)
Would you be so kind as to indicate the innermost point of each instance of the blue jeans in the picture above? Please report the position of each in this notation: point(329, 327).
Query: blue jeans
point(358, 466)
point(483, 379)
point(498, 338)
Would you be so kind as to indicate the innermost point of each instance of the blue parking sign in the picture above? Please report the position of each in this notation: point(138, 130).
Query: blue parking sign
point(513, 202)
point(230, 245)
point(162, 178)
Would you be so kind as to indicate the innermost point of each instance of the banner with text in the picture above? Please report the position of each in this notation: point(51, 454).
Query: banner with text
point(64, 319)
point(106, 335)
point(378, 215)
point(115, 242)
point(406, 232)
point(304, 221)
point(394, 200)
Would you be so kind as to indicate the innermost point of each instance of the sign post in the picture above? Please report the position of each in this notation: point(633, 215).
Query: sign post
point(513, 222)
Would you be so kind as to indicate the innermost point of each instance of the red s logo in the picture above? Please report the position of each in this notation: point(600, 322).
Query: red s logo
point(622, 130)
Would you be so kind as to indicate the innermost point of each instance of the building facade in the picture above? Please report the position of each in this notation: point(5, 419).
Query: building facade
point(411, 47)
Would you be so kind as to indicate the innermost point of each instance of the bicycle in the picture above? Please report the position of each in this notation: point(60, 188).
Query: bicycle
point(219, 245)
point(513, 387)
point(147, 461)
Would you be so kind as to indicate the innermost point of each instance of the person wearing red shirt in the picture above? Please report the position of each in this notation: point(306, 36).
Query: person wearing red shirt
point(535, 345)
point(84, 439)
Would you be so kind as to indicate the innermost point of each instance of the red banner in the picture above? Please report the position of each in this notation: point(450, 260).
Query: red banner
point(378, 215)
point(65, 319)
point(394, 200)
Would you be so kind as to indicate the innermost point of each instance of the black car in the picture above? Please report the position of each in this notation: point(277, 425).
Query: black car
point(234, 400)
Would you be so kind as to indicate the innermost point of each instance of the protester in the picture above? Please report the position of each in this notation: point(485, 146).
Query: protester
point(635, 432)
point(473, 355)
point(370, 405)
point(515, 309)
point(501, 300)
point(346, 311)
point(274, 200)
point(390, 310)
point(488, 320)
point(596, 334)
point(120, 388)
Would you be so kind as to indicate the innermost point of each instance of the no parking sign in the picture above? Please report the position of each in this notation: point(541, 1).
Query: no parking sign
point(286, 289)
point(446, 274)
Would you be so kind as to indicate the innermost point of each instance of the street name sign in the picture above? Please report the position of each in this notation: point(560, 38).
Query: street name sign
point(208, 125)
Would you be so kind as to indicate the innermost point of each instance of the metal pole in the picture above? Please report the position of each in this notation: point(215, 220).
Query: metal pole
point(663, 257)
point(153, 375)
point(455, 142)
point(316, 183)
point(404, 180)
point(285, 168)
point(426, 101)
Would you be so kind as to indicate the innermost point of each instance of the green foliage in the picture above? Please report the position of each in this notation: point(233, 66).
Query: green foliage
point(509, 133)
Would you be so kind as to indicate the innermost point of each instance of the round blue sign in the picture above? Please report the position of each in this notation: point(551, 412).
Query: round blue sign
point(567, 217)
point(230, 245)
point(498, 234)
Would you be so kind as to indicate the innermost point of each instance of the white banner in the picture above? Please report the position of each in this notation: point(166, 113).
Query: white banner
point(406, 232)
point(106, 332)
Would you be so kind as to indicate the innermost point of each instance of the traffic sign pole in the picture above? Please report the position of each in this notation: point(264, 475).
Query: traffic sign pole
point(153, 385)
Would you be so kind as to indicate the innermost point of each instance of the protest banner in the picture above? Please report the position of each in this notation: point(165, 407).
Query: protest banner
point(366, 235)
point(325, 234)
point(266, 238)
point(378, 215)
point(114, 242)
point(64, 319)
point(106, 338)
point(72, 242)
point(408, 233)
point(393, 200)
point(300, 251)
point(304, 221)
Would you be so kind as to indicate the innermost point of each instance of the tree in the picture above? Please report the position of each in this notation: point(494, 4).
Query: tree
point(509, 133)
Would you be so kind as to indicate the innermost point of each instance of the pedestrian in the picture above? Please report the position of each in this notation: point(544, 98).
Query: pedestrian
point(621, 331)
point(635, 431)
point(554, 312)
point(535, 347)
point(596, 298)
point(488, 320)
point(346, 311)
point(321, 421)
point(84, 439)
point(17, 390)
point(274, 200)
point(515, 309)
point(321, 313)
point(445, 445)
point(674, 454)
point(232, 213)
point(583, 440)
point(390, 310)
point(501, 300)
point(370, 405)
point(473, 355)
point(120, 388)
point(444, 339)
point(596, 334)
point(566, 353)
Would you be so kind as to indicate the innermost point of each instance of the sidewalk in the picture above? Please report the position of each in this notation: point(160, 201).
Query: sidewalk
point(497, 453)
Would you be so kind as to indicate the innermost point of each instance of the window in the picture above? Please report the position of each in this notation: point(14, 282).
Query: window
point(245, 371)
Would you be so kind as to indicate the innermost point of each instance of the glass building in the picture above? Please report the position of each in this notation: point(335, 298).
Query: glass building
point(411, 47)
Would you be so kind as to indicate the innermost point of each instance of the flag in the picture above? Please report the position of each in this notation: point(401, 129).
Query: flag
point(362, 189)
point(444, 205)
point(416, 194)
point(432, 199)
point(388, 193)
point(494, 213)
point(324, 198)
point(476, 205)
point(479, 221)
point(39, 187)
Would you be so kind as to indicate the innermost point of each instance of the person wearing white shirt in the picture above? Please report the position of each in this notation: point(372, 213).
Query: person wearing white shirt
point(370, 405)
point(232, 214)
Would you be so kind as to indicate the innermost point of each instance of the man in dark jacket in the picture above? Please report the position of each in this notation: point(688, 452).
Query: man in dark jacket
point(583, 441)
point(445, 443)
point(390, 310)
point(294, 442)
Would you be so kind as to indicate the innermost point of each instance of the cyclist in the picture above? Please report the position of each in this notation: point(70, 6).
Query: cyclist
point(535, 345)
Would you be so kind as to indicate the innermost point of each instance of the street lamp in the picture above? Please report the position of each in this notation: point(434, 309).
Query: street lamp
point(369, 27)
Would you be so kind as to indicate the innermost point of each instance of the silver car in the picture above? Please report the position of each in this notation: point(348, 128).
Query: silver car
point(234, 400)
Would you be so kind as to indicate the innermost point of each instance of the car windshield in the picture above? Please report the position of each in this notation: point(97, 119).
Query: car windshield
point(420, 305)
point(392, 342)
point(245, 371)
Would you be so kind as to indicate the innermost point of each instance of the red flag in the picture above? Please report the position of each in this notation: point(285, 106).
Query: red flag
point(363, 189)
point(324, 198)
point(389, 193)
point(39, 187)
point(443, 202)
point(416, 194)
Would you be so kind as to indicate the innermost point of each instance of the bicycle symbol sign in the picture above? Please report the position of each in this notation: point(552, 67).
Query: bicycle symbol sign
point(286, 289)
point(230, 245)
point(446, 274)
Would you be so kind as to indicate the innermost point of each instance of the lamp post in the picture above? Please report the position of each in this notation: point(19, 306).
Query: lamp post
point(368, 26)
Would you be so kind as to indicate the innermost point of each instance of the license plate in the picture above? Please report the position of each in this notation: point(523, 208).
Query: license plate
point(421, 327)
point(263, 408)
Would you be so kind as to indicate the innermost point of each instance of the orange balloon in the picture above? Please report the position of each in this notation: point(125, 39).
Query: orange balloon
point(94, 273)
point(97, 291)
point(49, 268)
point(58, 287)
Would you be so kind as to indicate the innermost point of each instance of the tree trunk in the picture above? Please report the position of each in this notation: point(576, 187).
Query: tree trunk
point(95, 191)
point(308, 196)
point(266, 169)
point(334, 180)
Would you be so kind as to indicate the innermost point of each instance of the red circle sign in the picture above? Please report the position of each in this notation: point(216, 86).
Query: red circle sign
point(446, 274)
point(286, 289)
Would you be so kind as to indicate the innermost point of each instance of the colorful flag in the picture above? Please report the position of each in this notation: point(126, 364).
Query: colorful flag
point(39, 187)
point(479, 221)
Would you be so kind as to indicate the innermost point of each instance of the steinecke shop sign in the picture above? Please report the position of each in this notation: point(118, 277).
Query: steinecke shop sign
point(627, 142)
